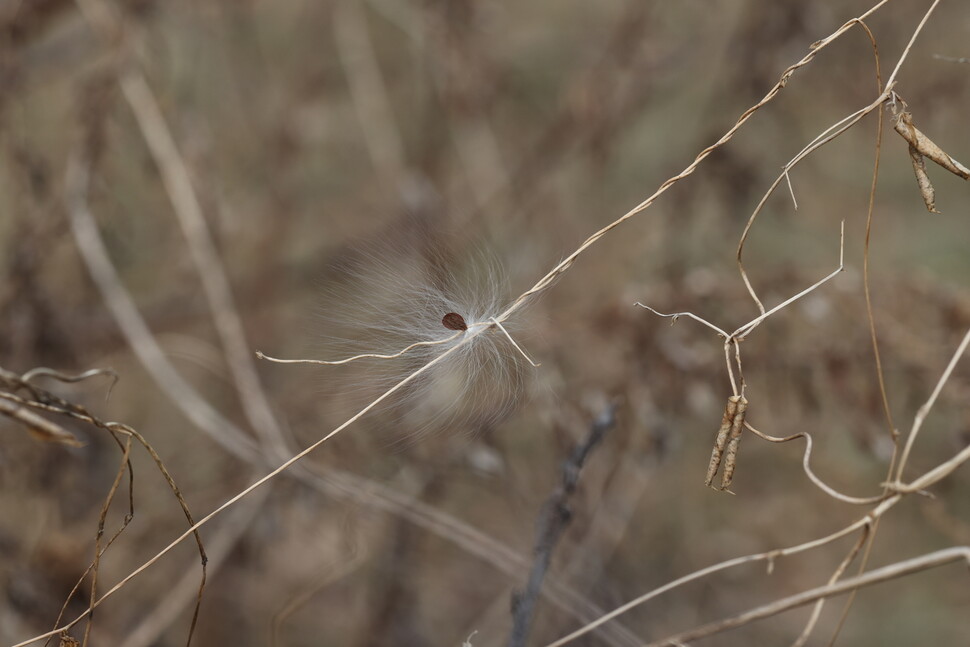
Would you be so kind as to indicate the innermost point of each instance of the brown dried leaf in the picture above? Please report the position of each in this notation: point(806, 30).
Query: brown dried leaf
point(39, 427)
point(66, 640)
point(904, 126)
point(923, 180)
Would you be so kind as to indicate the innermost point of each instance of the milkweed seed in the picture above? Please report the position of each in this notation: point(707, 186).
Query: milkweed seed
point(454, 321)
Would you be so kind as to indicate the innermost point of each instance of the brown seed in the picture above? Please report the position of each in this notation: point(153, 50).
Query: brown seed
point(454, 321)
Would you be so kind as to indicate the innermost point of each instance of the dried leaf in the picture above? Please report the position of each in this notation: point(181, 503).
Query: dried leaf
point(66, 640)
point(923, 180)
point(39, 427)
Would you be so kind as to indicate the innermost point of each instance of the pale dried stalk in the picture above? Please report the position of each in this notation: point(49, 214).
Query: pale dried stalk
point(769, 556)
point(827, 136)
point(178, 184)
point(870, 539)
point(218, 547)
point(368, 91)
point(746, 329)
point(42, 371)
point(806, 467)
point(400, 353)
point(886, 573)
point(925, 409)
point(839, 571)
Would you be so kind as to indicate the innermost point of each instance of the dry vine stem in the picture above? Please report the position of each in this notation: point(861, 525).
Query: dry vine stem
point(541, 285)
point(42, 400)
point(732, 423)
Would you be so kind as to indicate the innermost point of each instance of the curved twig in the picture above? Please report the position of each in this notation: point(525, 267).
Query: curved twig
point(832, 492)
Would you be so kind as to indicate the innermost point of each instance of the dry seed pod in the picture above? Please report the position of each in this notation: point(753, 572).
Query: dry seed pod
point(731, 454)
point(919, 146)
point(923, 180)
point(721, 439)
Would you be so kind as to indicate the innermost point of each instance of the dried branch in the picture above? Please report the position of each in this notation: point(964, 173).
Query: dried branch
point(806, 467)
point(840, 569)
point(553, 520)
point(928, 405)
point(886, 573)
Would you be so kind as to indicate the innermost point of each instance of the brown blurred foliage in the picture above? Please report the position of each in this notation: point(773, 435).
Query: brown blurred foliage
point(431, 131)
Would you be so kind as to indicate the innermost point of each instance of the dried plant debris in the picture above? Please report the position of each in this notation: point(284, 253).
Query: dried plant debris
point(66, 640)
point(920, 147)
point(727, 441)
point(39, 427)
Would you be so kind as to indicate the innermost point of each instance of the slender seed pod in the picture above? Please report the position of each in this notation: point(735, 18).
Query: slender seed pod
point(721, 440)
point(731, 454)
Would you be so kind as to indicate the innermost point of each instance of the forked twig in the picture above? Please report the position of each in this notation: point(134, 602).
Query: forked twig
point(516, 345)
point(729, 435)
point(839, 571)
point(928, 405)
point(676, 315)
point(746, 329)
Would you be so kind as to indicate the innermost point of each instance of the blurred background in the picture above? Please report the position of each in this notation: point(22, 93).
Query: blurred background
point(343, 152)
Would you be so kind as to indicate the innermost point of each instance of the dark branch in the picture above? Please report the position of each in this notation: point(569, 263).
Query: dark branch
point(553, 520)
